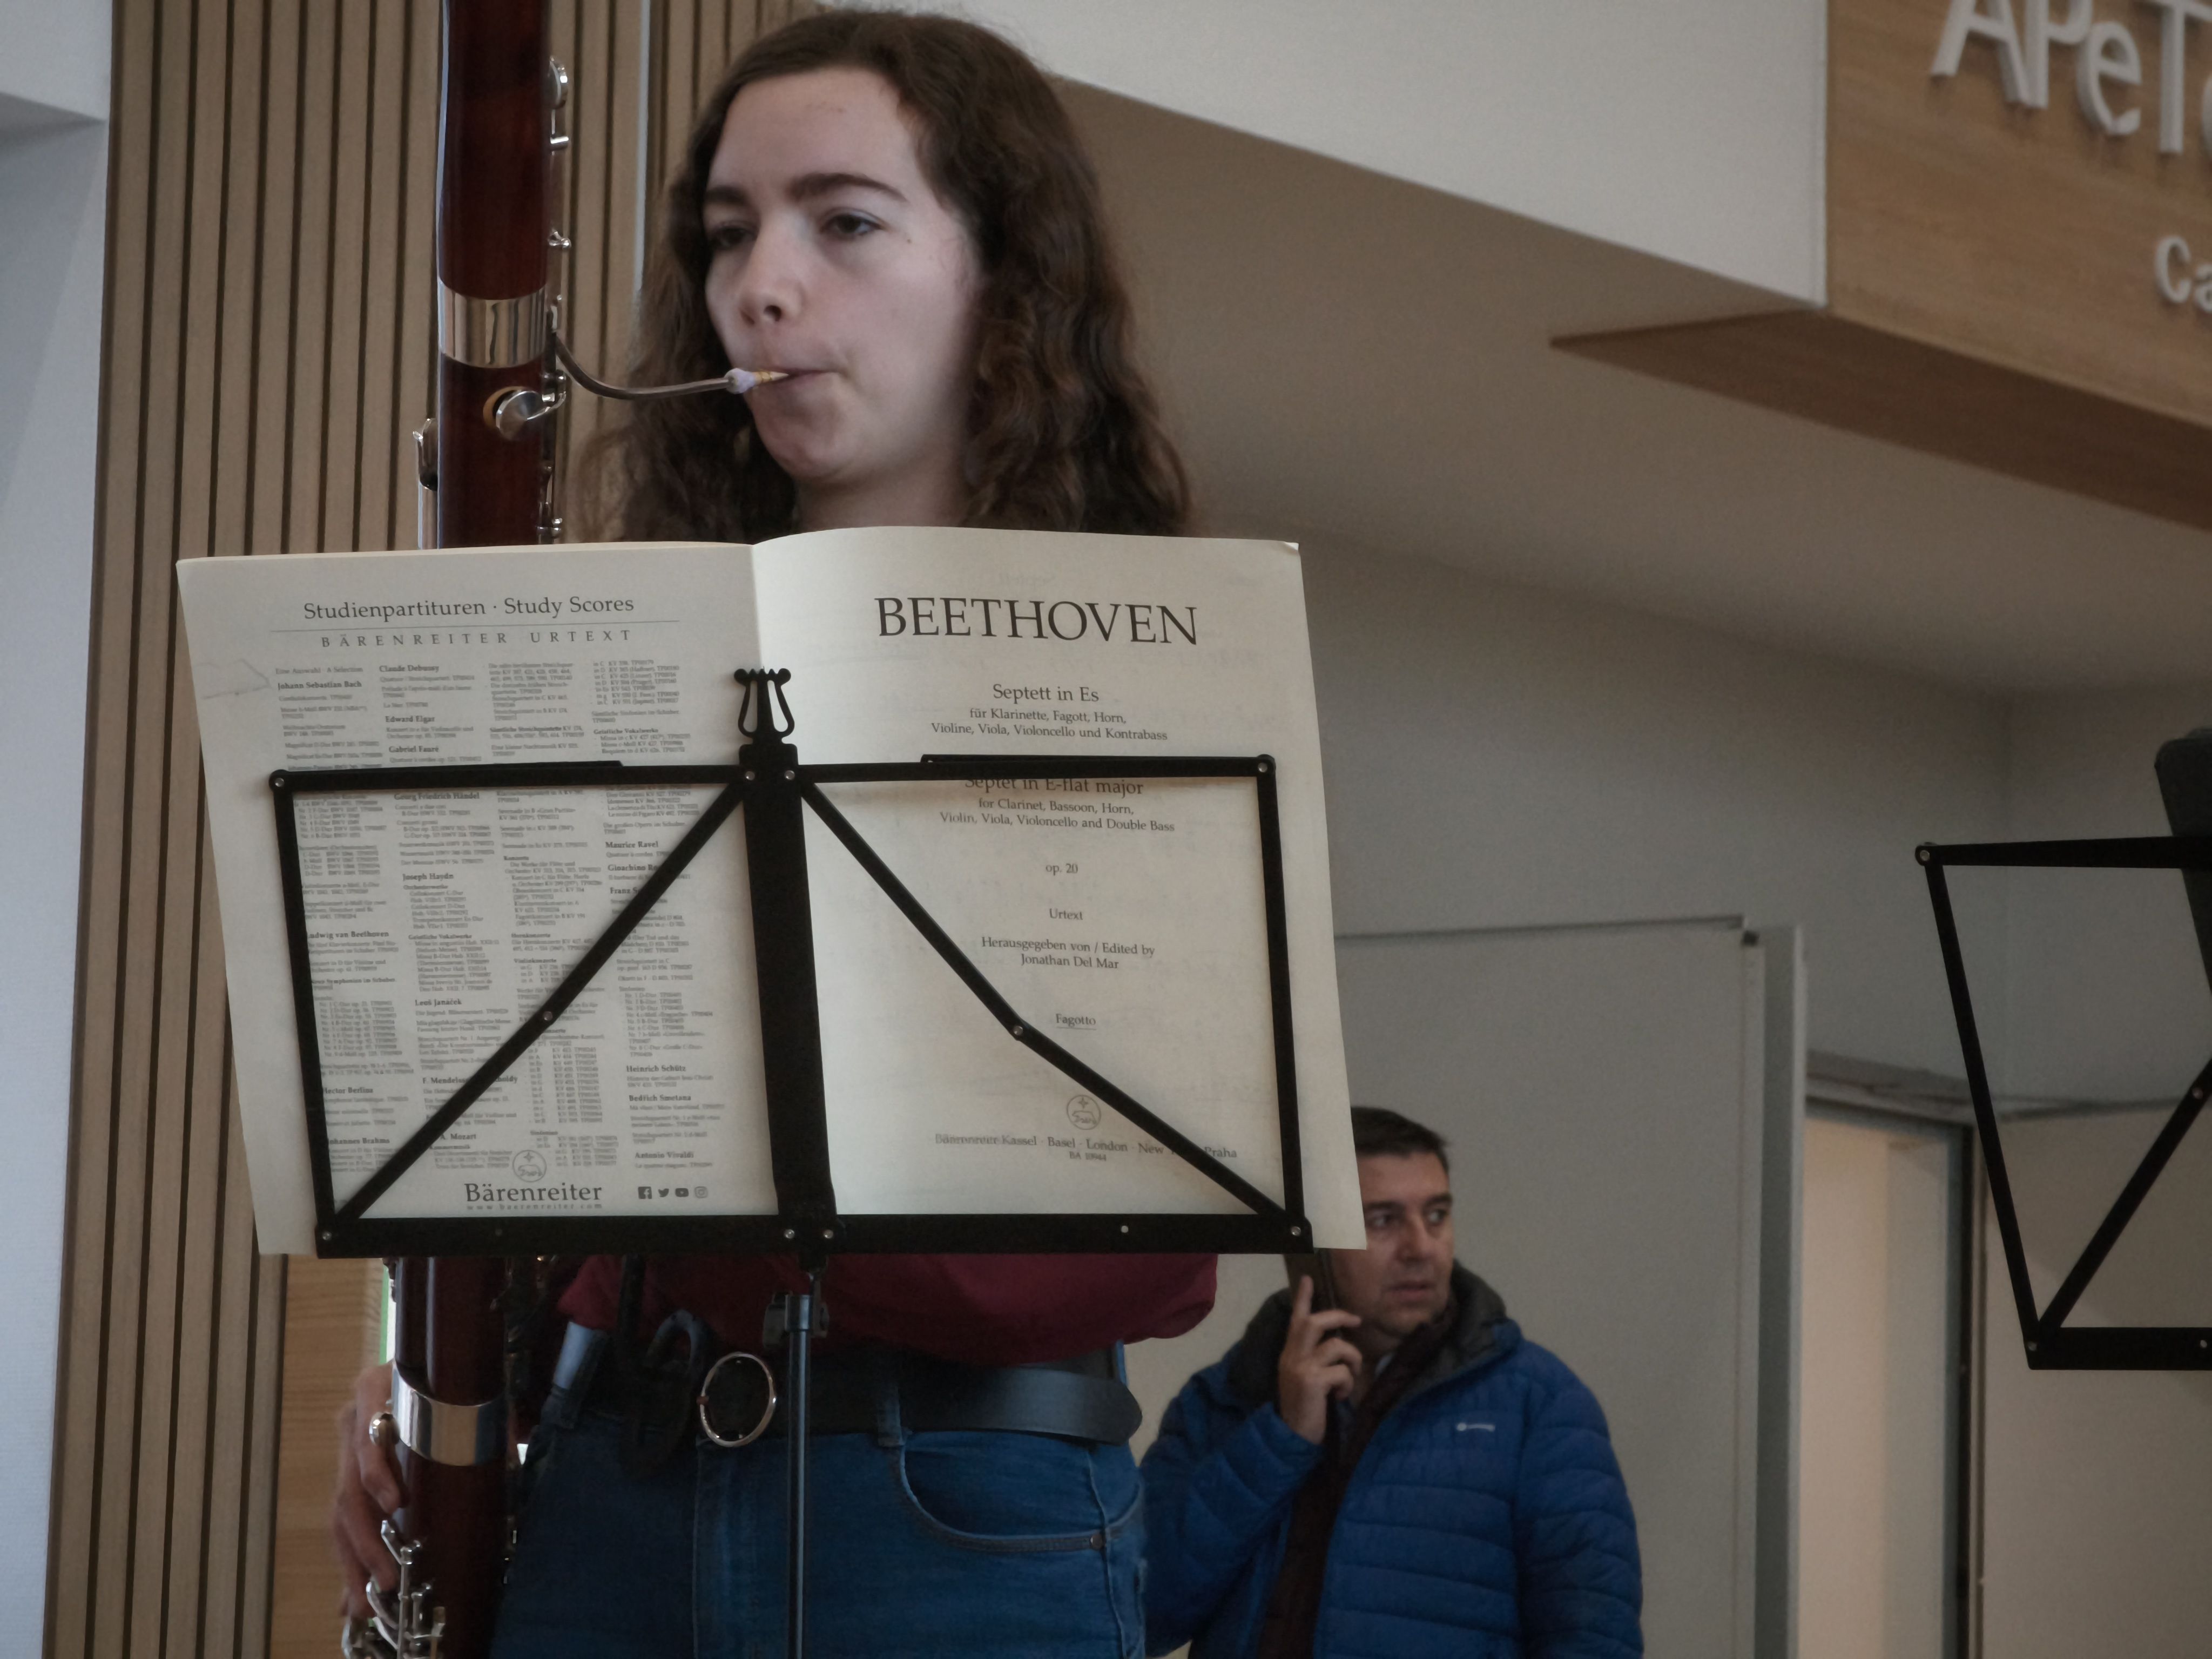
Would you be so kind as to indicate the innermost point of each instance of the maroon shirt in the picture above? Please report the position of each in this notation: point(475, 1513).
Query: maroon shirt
point(984, 1310)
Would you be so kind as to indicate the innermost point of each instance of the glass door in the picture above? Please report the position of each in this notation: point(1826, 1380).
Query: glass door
point(1879, 1430)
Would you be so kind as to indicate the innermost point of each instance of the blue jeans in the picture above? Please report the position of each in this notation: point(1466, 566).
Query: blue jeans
point(954, 1542)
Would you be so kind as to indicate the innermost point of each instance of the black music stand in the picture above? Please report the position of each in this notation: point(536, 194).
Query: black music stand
point(774, 789)
point(2184, 768)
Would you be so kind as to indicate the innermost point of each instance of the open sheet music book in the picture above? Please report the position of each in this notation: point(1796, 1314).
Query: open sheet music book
point(1124, 916)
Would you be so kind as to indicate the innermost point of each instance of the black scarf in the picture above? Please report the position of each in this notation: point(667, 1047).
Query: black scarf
point(1294, 1605)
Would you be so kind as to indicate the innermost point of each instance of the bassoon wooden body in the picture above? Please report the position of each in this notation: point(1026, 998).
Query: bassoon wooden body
point(494, 302)
point(487, 459)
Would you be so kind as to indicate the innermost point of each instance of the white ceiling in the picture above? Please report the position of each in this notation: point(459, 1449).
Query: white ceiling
point(1351, 359)
point(21, 116)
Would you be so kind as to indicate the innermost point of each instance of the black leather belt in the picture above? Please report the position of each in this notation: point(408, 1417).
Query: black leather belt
point(884, 1391)
point(1081, 1399)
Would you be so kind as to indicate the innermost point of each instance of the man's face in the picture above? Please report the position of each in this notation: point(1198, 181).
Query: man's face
point(1402, 1280)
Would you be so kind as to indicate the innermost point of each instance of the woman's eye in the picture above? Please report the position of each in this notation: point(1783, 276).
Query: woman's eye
point(723, 236)
point(849, 226)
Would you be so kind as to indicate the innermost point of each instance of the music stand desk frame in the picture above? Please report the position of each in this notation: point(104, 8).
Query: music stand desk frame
point(768, 786)
point(2051, 1343)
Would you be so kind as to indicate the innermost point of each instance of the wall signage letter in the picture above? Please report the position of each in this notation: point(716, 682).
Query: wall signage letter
point(2107, 55)
point(1968, 18)
point(2177, 283)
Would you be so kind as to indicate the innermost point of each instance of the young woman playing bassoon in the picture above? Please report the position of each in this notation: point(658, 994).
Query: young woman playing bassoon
point(895, 211)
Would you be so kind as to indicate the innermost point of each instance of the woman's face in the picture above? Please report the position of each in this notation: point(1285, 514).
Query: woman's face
point(834, 261)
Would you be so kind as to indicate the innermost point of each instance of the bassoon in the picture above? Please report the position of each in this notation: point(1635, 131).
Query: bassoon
point(486, 464)
point(485, 460)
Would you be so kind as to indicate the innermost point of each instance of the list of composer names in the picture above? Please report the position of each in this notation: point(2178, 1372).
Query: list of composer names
point(438, 921)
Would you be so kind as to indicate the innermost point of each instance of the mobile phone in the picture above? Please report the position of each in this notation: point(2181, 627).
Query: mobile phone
point(1313, 1266)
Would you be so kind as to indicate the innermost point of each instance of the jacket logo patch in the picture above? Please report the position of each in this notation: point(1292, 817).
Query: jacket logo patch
point(1462, 1428)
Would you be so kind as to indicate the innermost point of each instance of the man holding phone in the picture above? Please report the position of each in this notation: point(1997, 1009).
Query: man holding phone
point(1383, 1465)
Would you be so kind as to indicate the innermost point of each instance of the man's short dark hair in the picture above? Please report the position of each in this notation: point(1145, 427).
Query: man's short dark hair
point(1378, 1132)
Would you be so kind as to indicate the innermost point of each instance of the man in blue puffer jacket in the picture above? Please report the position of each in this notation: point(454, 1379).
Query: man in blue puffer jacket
point(1400, 1475)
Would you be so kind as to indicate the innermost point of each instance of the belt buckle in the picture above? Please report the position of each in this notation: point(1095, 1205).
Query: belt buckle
point(738, 1385)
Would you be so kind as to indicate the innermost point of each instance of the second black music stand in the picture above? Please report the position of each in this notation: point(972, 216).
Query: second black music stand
point(2184, 769)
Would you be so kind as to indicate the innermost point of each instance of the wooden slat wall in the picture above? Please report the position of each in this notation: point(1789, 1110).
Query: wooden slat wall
point(333, 1327)
point(268, 348)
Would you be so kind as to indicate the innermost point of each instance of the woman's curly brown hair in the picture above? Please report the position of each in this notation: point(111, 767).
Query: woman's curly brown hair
point(1062, 431)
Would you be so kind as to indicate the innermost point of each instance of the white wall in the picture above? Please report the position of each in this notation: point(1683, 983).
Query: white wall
point(1500, 756)
point(1602, 1092)
point(1693, 131)
point(55, 64)
point(53, 188)
point(2098, 1492)
point(2108, 997)
point(2098, 1498)
point(2081, 762)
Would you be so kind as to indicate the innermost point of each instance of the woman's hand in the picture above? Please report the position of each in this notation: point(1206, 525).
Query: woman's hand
point(367, 1491)
point(1316, 1366)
